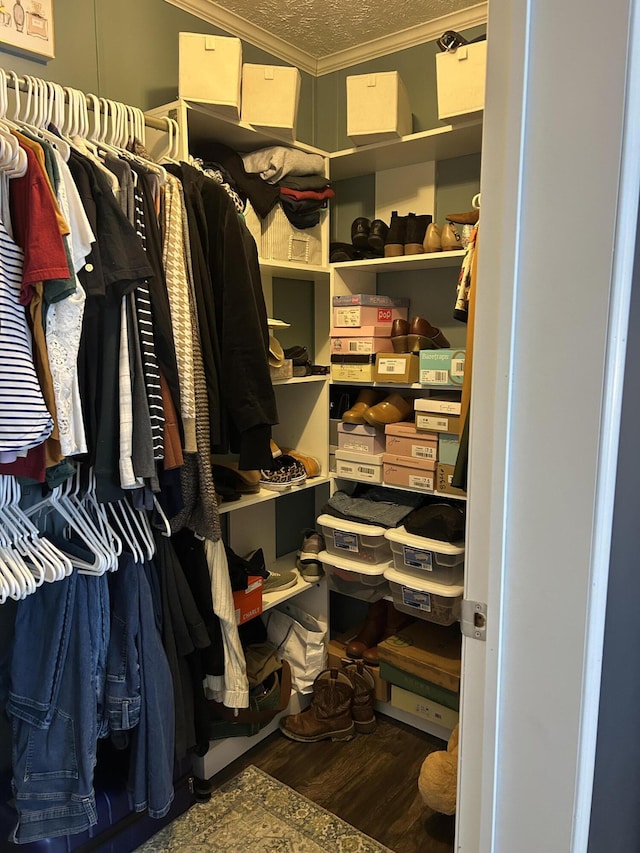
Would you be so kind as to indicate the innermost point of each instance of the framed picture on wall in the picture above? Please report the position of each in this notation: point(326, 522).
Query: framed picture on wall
point(26, 27)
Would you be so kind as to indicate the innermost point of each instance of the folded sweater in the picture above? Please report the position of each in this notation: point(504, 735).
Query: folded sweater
point(276, 162)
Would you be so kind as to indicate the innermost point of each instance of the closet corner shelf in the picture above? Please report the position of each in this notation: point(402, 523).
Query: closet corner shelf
point(287, 269)
point(301, 380)
point(435, 493)
point(269, 495)
point(432, 260)
point(440, 143)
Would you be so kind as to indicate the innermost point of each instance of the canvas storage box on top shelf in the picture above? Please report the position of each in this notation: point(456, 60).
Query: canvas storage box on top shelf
point(270, 97)
point(442, 562)
point(358, 580)
point(210, 71)
point(378, 108)
point(424, 599)
point(354, 540)
point(460, 76)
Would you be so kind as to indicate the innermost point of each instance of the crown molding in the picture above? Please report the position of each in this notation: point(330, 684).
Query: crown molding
point(230, 22)
point(464, 19)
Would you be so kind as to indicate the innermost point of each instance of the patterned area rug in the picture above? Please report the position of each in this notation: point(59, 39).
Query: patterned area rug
point(254, 812)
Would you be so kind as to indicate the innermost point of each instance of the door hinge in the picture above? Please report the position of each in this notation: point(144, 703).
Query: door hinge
point(473, 619)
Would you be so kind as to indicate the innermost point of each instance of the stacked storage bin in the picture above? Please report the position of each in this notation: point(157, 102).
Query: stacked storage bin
point(356, 557)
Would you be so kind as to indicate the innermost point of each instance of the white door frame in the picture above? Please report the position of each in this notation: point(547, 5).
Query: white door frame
point(560, 184)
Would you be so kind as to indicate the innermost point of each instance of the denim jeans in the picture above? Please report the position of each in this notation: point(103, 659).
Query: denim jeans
point(386, 507)
point(122, 692)
point(57, 671)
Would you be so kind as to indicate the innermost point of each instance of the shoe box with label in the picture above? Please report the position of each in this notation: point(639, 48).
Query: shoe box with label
point(438, 419)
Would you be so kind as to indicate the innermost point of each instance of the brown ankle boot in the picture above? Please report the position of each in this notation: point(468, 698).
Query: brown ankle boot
point(371, 632)
point(364, 718)
point(395, 621)
point(328, 716)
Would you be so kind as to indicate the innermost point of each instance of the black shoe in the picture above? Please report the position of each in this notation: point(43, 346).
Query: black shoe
point(415, 233)
point(377, 235)
point(394, 243)
point(360, 232)
point(339, 252)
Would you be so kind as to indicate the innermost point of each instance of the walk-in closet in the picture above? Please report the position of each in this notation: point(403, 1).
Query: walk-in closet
point(316, 416)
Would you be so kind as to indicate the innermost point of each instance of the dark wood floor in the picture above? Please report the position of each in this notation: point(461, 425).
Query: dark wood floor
point(370, 782)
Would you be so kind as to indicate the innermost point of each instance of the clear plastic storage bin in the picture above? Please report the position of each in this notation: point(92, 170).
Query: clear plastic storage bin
point(424, 599)
point(365, 543)
point(349, 577)
point(442, 562)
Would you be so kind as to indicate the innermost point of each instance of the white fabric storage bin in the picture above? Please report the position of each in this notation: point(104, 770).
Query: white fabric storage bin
point(282, 242)
point(364, 543)
point(270, 97)
point(423, 598)
point(254, 224)
point(441, 562)
point(377, 108)
point(210, 71)
point(348, 577)
point(460, 76)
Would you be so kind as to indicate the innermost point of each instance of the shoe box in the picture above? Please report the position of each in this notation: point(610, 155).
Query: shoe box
point(362, 309)
point(426, 709)
point(247, 603)
point(418, 686)
point(399, 367)
point(448, 447)
point(354, 578)
point(427, 422)
point(270, 98)
point(444, 475)
point(460, 80)
point(442, 368)
point(414, 594)
point(363, 467)
point(360, 438)
point(429, 652)
point(440, 403)
point(354, 540)
point(341, 345)
point(338, 658)
point(402, 439)
point(210, 71)
point(415, 474)
point(352, 368)
point(378, 108)
point(441, 562)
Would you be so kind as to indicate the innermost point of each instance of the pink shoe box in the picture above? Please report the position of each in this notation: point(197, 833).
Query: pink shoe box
point(404, 440)
point(357, 346)
point(357, 316)
point(360, 438)
point(416, 474)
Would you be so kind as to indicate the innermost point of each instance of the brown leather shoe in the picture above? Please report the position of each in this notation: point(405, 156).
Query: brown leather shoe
point(391, 410)
point(399, 332)
point(366, 398)
point(469, 218)
point(329, 715)
point(422, 335)
point(395, 621)
point(432, 238)
point(450, 238)
point(364, 687)
point(372, 630)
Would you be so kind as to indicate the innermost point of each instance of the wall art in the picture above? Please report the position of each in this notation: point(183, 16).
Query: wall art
point(26, 26)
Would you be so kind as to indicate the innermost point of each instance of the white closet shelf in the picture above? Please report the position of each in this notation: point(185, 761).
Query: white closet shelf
point(270, 495)
point(301, 380)
point(441, 143)
point(287, 269)
point(405, 263)
point(436, 493)
point(206, 124)
point(403, 386)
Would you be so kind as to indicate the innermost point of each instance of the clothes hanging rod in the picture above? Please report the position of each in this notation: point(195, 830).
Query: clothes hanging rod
point(150, 121)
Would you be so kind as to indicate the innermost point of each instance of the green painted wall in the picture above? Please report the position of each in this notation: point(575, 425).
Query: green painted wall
point(128, 51)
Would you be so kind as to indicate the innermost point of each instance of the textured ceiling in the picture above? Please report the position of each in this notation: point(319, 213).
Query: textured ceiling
point(323, 27)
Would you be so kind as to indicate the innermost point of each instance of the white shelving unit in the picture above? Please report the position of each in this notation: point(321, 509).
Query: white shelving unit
point(303, 402)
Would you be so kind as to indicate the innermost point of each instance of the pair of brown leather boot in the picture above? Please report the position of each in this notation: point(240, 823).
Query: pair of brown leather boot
point(381, 622)
point(342, 705)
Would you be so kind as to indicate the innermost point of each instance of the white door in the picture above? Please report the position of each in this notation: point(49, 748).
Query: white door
point(560, 182)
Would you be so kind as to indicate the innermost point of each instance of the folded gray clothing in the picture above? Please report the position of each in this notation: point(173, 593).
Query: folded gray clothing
point(278, 161)
point(386, 507)
point(305, 182)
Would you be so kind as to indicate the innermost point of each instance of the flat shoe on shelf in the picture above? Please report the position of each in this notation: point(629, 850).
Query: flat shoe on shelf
point(366, 398)
point(391, 410)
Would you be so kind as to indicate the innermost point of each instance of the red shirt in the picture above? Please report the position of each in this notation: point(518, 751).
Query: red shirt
point(35, 228)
